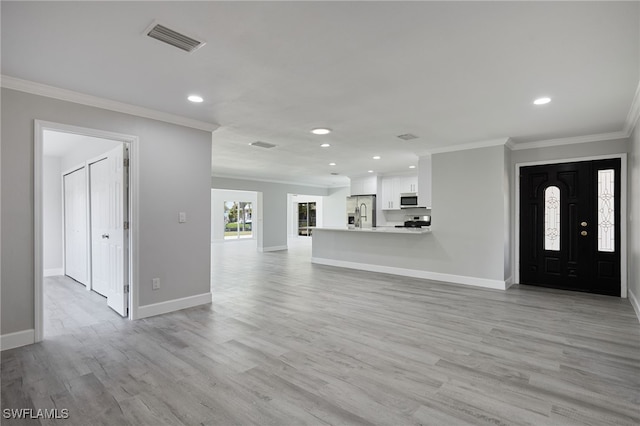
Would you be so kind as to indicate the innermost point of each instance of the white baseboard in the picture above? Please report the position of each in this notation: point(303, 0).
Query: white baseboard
point(272, 248)
point(415, 273)
point(173, 305)
point(635, 303)
point(17, 339)
point(53, 272)
point(508, 282)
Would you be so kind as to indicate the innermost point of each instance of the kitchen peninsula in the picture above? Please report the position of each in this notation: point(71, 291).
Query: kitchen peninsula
point(410, 252)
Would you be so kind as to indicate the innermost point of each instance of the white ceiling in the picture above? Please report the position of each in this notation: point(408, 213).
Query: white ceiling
point(448, 72)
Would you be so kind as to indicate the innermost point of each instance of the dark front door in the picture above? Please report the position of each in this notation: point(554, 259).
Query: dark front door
point(570, 226)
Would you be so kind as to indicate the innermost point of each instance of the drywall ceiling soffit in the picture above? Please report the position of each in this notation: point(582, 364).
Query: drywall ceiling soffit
point(452, 73)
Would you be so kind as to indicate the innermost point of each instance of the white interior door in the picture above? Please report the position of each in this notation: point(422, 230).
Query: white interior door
point(108, 234)
point(75, 226)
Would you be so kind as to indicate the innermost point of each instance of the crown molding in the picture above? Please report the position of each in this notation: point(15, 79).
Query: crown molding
point(473, 145)
point(282, 182)
point(570, 141)
point(634, 113)
point(40, 89)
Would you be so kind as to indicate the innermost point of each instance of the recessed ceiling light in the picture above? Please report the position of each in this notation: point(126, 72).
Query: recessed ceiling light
point(542, 101)
point(195, 98)
point(321, 131)
point(376, 157)
point(332, 164)
point(325, 145)
point(412, 167)
point(369, 171)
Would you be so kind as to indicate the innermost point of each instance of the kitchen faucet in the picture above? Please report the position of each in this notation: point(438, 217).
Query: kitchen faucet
point(361, 215)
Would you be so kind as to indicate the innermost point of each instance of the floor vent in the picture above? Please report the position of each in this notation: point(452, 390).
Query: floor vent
point(407, 137)
point(174, 38)
point(262, 144)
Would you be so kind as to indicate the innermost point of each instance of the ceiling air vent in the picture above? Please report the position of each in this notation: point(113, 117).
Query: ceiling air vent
point(174, 38)
point(334, 174)
point(262, 144)
point(407, 137)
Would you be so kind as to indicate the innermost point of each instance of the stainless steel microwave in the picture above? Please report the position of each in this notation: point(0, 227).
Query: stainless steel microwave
point(408, 201)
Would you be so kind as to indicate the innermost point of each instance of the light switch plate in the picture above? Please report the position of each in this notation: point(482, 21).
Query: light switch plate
point(182, 217)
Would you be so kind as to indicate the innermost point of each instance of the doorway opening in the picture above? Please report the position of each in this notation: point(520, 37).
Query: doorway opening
point(233, 215)
point(571, 225)
point(304, 213)
point(85, 218)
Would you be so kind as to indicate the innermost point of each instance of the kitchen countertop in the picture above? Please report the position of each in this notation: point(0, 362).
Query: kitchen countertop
point(381, 230)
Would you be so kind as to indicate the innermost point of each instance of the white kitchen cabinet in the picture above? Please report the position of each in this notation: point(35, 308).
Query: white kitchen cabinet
point(408, 184)
point(393, 187)
point(424, 181)
point(390, 197)
point(364, 185)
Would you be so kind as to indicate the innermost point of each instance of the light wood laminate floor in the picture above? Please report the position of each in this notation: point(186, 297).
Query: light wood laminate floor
point(290, 343)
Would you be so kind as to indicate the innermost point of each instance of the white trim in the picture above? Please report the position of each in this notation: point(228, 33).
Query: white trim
point(258, 179)
point(415, 273)
point(623, 211)
point(39, 127)
point(146, 311)
point(570, 141)
point(272, 248)
point(34, 88)
point(635, 303)
point(634, 113)
point(17, 339)
point(509, 282)
point(472, 145)
point(53, 272)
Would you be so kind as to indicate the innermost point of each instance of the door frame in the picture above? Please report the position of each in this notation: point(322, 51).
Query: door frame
point(623, 211)
point(39, 127)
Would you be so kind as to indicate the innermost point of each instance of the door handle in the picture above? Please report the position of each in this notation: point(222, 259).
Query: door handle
point(583, 233)
point(105, 236)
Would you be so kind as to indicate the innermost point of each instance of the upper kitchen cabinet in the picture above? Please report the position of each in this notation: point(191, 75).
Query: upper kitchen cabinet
point(408, 184)
point(393, 187)
point(390, 197)
point(424, 181)
point(367, 185)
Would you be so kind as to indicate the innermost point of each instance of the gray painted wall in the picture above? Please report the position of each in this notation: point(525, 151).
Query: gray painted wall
point(634, 216)
point(274, 206)
point(468, 213)
point(468, 223)
point(174, 170)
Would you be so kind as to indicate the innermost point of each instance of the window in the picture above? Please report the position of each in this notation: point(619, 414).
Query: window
point(552, 218)
point(606, 225)
point(238, 220)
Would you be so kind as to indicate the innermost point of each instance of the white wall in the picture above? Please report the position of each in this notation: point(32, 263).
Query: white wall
point(273, 207)
point(174, 176)
point(334, 207)
point(52, 215)
point(88, 149)
point(634, 220)
point(53, 168)
point(218, 197)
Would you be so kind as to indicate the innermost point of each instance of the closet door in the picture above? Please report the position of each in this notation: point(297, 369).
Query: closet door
point(75, 226)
